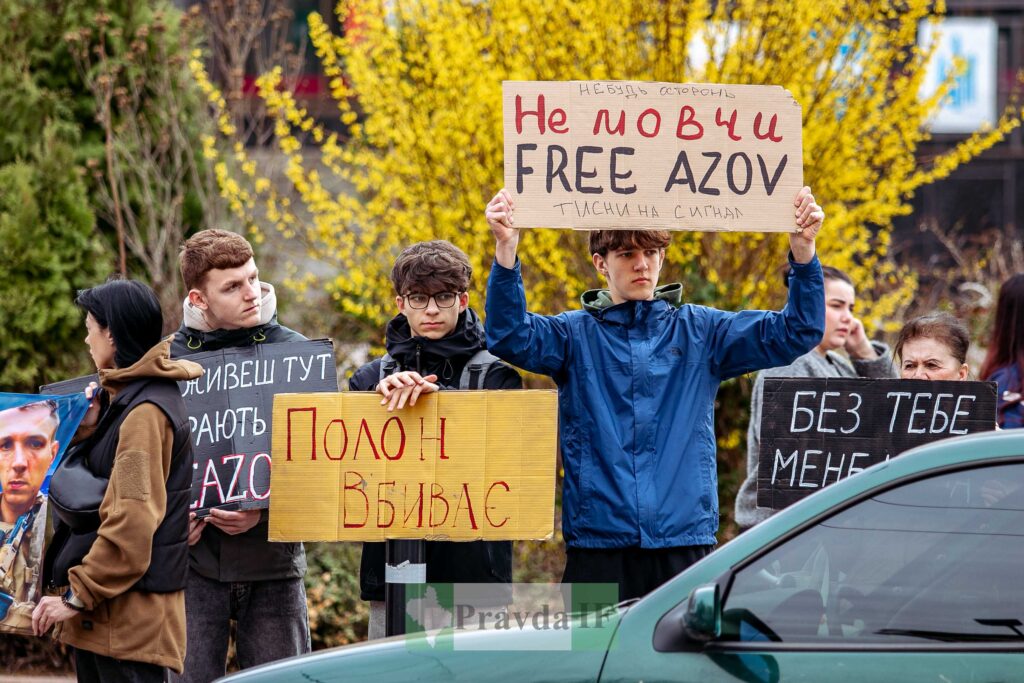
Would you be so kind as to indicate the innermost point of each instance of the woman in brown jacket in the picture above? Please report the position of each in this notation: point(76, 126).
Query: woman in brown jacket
point(123, 576)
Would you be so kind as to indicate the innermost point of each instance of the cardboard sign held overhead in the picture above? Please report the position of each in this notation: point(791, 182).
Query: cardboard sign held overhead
point(816, 431)
point(633, 155)
point(459, 465)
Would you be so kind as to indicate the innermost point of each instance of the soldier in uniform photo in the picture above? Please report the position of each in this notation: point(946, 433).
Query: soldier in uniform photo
point(27, 449)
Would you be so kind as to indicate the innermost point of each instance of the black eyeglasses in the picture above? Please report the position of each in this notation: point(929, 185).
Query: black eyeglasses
point(442, 299)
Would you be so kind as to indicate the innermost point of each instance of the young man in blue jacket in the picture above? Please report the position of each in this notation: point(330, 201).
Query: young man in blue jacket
point(637, 378)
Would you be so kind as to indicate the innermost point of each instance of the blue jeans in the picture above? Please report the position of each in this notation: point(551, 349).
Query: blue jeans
point(271, 617)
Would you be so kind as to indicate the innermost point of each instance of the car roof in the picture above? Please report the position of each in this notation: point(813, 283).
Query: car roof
point(945, 453)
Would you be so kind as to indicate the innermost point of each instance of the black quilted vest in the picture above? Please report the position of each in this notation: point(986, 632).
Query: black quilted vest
point(168, 566)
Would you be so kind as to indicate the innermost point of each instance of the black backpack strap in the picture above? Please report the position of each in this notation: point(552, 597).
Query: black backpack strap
point(475, 372)
point(388, 366)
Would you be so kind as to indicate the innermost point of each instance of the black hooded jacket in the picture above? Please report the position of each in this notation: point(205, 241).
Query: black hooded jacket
point(447, 562)
point(445, 357)
point(188, 340)
point(248, 556)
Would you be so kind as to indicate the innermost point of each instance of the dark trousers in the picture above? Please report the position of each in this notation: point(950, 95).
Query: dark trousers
point(271, 624)
point(94, 668)
point(637, 571)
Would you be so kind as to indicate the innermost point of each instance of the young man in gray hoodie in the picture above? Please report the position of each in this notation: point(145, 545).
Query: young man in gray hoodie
point(235, 574)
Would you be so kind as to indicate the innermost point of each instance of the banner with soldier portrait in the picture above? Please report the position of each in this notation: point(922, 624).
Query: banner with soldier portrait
point(34, 433)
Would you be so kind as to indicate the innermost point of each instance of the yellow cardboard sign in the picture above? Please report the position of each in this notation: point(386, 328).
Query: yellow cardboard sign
point(460, 465)
point(635, 155)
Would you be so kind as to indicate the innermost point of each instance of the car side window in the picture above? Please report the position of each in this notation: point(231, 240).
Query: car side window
point(934, 561)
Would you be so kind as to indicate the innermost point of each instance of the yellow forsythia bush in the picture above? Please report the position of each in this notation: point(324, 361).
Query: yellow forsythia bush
point(419, 86)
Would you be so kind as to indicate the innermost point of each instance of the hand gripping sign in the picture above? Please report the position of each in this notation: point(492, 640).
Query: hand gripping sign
point(633, 154)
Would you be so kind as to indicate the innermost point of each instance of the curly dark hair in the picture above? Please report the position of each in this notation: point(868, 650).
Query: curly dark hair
point(431, 268)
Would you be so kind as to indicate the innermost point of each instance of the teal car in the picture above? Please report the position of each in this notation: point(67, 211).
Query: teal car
point(912, 570)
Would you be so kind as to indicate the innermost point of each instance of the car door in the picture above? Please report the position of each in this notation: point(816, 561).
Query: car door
point(922, 581)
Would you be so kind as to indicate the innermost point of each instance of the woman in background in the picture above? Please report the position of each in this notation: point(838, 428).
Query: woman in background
point(863, 358)
point(1004, 362)
point(123, 573)
point(933, 347)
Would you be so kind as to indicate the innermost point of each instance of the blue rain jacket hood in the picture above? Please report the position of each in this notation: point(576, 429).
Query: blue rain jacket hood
point(636, 390)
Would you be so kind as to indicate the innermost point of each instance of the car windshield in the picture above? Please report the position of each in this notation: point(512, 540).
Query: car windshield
point(936, 560)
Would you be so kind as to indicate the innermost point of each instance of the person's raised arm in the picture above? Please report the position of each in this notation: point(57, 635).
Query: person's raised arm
point(858, 346)
point(534, 342)
point(872, 359)
point(809, 218)
point(501, 221)
point(752, 340)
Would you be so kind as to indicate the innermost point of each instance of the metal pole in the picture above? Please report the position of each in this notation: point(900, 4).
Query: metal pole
point(405, 564)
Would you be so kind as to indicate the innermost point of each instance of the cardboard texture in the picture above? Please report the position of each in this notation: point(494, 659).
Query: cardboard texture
point(816, 431)
point(459, 465)
point(230, 409)
point(633, 155)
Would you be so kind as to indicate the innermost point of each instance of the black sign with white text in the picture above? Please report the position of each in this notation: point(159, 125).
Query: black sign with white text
point(230, 410)
point(816, 431)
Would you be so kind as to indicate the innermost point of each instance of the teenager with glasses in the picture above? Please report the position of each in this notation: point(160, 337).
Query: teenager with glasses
point(441, 300)
point(637, 373)
point(430, 342)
